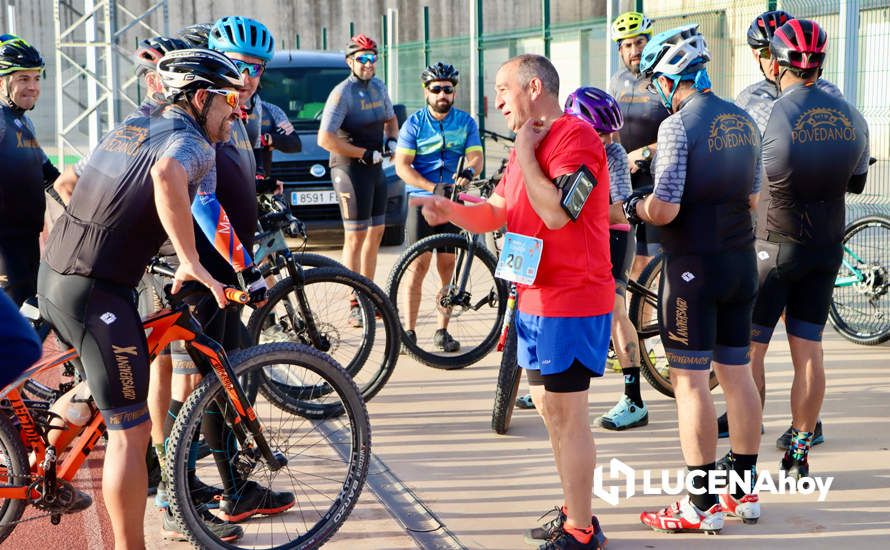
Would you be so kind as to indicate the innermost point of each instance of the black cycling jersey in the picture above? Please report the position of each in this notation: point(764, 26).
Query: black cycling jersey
point(813, 145)
point(111, 227)
point(236, 192)
point(642, 111)
point(758, 99)
point(356, 110)
point(709, 164)
point(22, 162)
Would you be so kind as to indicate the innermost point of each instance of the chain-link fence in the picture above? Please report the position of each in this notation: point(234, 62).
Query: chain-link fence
point(579, 50)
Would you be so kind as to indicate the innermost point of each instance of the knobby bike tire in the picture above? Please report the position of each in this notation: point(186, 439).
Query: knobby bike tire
point(842, 323)
point(653, 371)
point(309, 259)
point(466, 355)
point(371, 299)
point(509, 376)
point(340, 501)
point(14, 469)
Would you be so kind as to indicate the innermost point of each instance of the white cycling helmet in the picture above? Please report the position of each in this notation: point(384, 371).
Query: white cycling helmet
point(674, 51)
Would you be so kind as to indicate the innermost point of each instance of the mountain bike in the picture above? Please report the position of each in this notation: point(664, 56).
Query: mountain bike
point(472, 299)
point(325, 462)
point(313, 307)
point(860, 306)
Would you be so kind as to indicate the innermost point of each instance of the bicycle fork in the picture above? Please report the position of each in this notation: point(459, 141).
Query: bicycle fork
point(244, 422)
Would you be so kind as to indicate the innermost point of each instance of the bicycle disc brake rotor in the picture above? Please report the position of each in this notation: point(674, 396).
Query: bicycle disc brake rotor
point(445, 302)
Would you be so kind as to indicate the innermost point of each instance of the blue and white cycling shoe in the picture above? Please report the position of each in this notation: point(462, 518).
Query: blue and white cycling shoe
point(624, 415)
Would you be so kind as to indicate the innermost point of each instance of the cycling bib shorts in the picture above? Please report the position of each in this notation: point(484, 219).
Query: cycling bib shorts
point(705, 304)
point(799, 280)
point(100, 320)
point(361, 190)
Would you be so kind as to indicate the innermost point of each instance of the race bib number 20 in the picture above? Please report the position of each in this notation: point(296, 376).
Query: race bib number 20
point(520, 257)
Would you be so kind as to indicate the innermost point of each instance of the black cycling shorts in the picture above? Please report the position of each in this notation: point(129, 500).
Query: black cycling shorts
point(362, 193)
point(799, 280)
point(575, 378)
point(621, 247)
point(705, 307)
point(100, 320)
point(19, 260)
point(223, 325)
point(416, 227)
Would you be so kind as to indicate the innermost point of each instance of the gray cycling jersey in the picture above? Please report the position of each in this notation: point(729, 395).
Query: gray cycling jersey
point(111, 227)
point(356, 110)
point(709, 163)
point(642, 111)
point(619, 172)
point(758, 99)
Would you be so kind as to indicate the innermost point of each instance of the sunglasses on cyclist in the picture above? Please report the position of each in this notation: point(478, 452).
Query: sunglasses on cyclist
point(231, 96)
point(438, 89)
point(764, 53)
point(367, 58)
point(253, 69)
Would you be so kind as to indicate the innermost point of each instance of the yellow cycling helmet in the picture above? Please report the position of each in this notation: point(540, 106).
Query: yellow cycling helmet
point(631, 24)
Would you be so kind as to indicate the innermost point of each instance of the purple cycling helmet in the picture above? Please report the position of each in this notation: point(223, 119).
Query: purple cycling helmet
point(595, 107)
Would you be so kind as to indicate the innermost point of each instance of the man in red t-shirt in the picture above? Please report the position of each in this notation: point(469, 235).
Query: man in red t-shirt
point(564, 316)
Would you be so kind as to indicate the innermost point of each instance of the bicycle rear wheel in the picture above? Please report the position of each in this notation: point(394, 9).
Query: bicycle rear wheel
point(509, 376)
point(475, 309)
point(643, 311)
point(327, 460)
point(860, 305)
point(368, 352)
point(14, 470)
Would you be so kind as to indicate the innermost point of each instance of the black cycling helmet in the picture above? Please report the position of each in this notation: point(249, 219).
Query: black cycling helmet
point(196, 35)
point(18, 55)
point(151, 50)
point(360, 43)
point(440, 71)
point(188, 70)
point(764, 26)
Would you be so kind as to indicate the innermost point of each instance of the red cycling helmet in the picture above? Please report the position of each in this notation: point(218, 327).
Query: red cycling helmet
point(799, 44)
point(360, 43)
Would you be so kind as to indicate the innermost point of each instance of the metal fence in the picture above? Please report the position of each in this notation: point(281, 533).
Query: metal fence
point(579, 51)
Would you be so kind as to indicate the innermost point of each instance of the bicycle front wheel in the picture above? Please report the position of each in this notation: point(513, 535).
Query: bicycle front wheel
point(643, 311)
point(14, 471)
point(466, 298)
point(860, 305)
point(366, 346)
point(509, 375)
point(325, 461)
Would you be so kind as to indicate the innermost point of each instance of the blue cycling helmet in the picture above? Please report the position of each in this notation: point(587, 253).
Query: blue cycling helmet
point(679, 54)
point(236, 34)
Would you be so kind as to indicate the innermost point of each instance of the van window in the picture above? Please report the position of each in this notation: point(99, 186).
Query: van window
point(301, 91)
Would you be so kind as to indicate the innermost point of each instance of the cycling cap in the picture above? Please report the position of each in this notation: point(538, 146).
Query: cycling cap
point(675, 52)
point(764, 25)
point(631, 24)
point(196, 35)
point(440, 71)
point(360, 43)
point(183, 71)
point(17, 55)
point(595, 107)
point(242, 35)
point(800, 44)
point(151, 50)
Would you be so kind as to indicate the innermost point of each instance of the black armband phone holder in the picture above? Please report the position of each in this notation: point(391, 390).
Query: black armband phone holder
point(576, 188)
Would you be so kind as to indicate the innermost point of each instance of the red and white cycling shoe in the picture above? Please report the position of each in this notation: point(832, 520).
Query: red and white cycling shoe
point(746, 508)
point(683, 517)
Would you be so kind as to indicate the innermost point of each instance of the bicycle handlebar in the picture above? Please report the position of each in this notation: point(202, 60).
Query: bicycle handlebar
point(191, 288)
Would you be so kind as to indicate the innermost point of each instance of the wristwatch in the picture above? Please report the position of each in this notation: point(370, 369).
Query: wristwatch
point(647, 153)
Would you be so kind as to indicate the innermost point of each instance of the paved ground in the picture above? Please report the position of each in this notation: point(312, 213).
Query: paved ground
point(431, 430)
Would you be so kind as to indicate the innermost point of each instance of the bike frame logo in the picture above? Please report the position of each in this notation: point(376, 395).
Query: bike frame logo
point(675, 482)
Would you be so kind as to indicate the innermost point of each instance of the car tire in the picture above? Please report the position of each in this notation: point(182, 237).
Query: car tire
point(393, 235)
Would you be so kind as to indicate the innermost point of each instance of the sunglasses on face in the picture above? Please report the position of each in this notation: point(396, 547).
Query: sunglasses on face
point(230, 95)
point(439, 89)
point(253, 69)
point(764, 53)
point(367, 58)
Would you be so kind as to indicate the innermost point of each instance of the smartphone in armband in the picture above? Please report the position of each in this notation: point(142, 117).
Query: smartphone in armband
point(576, 188)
